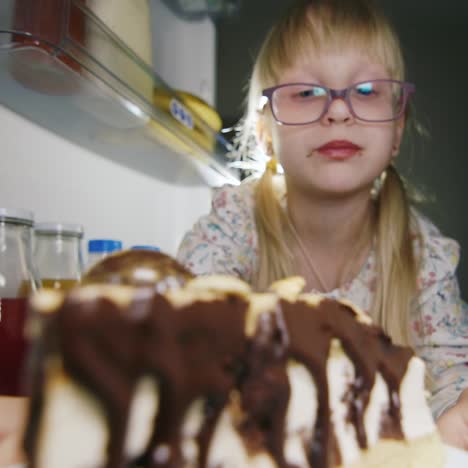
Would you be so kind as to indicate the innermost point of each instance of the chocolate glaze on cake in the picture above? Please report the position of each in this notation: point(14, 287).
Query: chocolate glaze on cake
point(199, 350)
point(191, 351)
point(371, 351)
point(265, 389)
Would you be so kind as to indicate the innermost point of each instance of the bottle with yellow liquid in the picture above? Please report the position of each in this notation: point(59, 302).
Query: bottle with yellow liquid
point(58, 254)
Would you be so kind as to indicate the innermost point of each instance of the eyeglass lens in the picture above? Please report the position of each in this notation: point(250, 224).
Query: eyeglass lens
point(371, 100)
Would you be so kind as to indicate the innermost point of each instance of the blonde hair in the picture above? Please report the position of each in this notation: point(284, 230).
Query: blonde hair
point(332, 24)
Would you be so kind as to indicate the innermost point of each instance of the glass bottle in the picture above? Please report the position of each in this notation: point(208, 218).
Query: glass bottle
point(18, 279)
point(101, 248)
point(58, 254)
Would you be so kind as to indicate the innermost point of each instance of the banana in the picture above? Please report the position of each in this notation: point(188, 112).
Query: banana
point(201, 114)
point(200, 108)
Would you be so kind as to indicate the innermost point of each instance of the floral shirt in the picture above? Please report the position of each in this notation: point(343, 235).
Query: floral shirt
point(225, 242)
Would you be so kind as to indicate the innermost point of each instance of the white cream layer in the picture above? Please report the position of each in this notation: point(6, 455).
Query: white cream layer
point(74, 432)
point(416, 417)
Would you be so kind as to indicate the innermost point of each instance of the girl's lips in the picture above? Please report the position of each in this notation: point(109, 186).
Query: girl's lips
point(339, 149)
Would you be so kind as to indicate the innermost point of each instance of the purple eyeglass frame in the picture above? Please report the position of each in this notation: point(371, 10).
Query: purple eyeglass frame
point(408, 89)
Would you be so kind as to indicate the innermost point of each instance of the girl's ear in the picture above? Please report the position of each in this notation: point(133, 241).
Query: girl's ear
point(399, 129)
point(263, 135)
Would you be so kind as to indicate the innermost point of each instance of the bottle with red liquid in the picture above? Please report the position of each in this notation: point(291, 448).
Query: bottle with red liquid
point(18, 279)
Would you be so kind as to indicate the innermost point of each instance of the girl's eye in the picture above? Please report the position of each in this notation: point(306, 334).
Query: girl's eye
point(365, 89)
point(312, 92)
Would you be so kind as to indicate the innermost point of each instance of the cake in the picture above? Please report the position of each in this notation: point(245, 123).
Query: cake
point(212, 375)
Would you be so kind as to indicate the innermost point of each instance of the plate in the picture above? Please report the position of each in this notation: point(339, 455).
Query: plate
point(456, 458)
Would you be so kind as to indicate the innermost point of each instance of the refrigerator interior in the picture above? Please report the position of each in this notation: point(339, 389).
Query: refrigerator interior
point(86, 155)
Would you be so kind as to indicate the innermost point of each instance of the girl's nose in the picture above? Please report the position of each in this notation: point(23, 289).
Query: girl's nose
point(338, 112)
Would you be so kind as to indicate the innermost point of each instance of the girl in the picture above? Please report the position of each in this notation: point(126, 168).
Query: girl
point(328, 102)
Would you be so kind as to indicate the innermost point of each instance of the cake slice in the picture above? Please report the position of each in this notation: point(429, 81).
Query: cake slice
point(212, 375)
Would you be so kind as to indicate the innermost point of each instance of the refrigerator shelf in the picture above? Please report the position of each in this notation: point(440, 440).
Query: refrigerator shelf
point(64, 69)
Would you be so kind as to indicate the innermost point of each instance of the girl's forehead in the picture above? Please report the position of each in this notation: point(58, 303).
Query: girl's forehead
point(349, 63)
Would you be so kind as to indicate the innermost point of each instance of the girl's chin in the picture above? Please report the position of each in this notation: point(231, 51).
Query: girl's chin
point(332, 184)
point(338, 189)
point(341, 194)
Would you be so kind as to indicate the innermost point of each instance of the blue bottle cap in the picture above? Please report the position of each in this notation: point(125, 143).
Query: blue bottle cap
point(145, 247)
point(104, 245)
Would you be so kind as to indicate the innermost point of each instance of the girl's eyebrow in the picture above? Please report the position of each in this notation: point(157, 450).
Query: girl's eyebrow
point(303, 75)
point(377, 70)
point(364, 74)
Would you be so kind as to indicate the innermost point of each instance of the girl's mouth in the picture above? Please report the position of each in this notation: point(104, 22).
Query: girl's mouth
point(339, 149)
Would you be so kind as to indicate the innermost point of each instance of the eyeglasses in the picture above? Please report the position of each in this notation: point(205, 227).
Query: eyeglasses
point(369, 101)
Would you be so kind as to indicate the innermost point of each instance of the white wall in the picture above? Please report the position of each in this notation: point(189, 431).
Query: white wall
point(61, 182)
